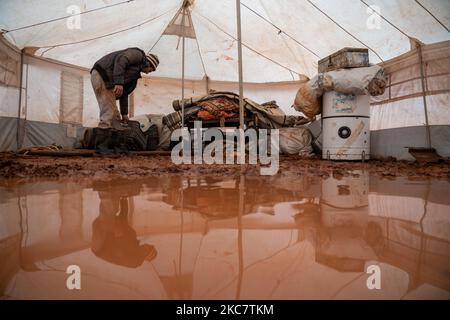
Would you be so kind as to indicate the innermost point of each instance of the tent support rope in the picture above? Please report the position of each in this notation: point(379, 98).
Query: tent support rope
point(248, 47)
point(160, 35)
point(345, 30)
point(281, 30)
point(435, 18)
point(393, 25)
point(66, 17)
point(200, 54)
point(105, 35)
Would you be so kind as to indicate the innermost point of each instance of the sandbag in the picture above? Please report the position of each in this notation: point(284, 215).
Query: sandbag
point(296, 141)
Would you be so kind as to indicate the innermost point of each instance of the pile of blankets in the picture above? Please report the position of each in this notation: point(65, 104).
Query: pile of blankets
point(225, 105)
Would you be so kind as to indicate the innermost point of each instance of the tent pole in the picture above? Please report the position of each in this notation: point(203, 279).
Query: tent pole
point(424, 94)
point(182, 67)
point(241, 86)
point(20, 126)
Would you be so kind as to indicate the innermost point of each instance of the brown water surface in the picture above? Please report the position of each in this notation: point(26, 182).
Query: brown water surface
point(173, 237)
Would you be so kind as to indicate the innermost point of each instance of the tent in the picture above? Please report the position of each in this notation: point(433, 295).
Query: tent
point(47, 48)
point(201, 257)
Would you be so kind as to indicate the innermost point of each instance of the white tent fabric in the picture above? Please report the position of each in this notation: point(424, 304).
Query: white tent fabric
point(322, 26)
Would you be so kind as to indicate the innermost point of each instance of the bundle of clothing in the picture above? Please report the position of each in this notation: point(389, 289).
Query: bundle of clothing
point(225, 105)
point(357, 81)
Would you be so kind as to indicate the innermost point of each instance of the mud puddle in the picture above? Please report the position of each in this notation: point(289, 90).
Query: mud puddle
point(243, 237)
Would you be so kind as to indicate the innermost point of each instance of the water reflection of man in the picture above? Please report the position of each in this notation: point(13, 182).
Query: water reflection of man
point(113, 239)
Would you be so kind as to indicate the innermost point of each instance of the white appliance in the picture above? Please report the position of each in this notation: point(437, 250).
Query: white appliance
point(345, 127)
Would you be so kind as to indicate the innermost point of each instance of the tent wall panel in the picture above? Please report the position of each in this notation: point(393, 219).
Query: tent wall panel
point(9, 64)
point(437, 66)
point(395, 142)
point(439, 83)
point(43, 93)
point(405, 74)
point(407, 88)
point(439, 109)
point(8, 136)
point(71, 99)
point(440, 139)
point(402, 104)
point(90, 105)
point(10, 58)
point(9, 101)
point(398, 114)
point(155, 96)
point(44, 133)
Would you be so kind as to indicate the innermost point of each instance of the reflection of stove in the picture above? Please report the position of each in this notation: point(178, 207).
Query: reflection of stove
point(218, 198)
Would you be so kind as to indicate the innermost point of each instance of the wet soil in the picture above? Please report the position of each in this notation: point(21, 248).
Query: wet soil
point(25, 166)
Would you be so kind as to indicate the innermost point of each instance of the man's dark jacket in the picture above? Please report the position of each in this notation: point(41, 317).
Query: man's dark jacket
point(124, 68)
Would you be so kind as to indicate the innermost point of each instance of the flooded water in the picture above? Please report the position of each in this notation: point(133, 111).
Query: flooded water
point(173, 237)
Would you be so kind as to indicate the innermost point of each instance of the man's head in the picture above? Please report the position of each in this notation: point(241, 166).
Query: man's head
point(153, 63)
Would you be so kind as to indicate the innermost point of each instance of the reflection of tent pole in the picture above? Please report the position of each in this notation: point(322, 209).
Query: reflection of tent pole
point(240, 242)
point(241, 87)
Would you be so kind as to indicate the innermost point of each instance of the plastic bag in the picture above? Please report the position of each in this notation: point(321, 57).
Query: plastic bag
point(307, 99)
point(296, 141)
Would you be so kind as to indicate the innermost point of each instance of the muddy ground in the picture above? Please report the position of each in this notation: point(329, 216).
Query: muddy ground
point(26, 166)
